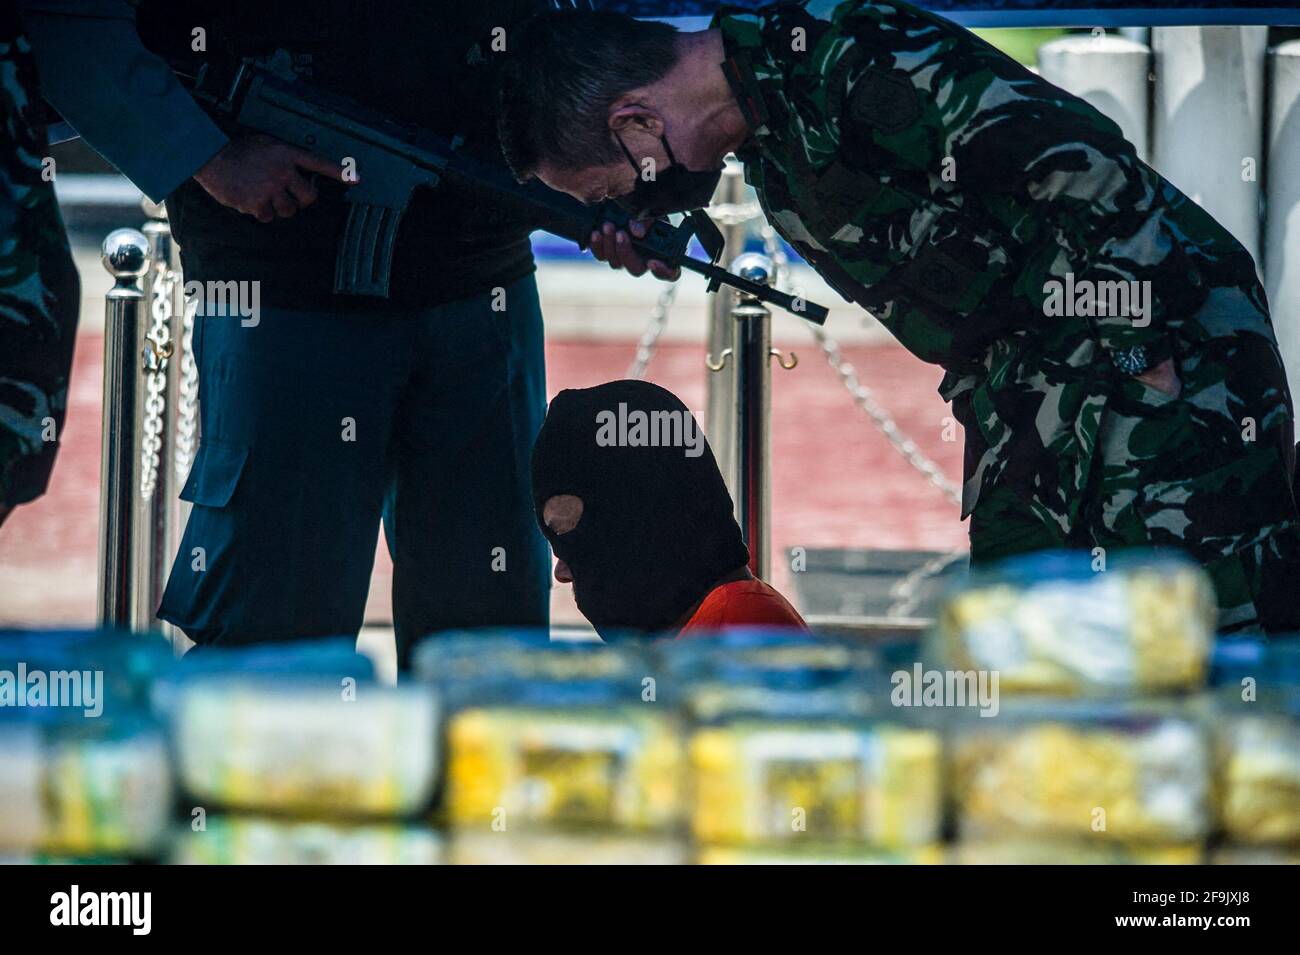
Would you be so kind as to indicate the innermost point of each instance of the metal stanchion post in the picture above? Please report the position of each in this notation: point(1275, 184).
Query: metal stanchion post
point(720, 389)
point(750, 349)
point(751, 353)
point(126, 257)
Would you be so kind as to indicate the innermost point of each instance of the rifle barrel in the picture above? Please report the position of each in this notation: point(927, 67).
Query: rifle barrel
point(801, 307)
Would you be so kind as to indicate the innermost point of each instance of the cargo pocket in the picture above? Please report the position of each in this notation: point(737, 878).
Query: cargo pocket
point(215, 475)
point(955, 272)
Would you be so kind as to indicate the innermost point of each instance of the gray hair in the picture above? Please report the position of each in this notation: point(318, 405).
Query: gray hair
point(562, 73)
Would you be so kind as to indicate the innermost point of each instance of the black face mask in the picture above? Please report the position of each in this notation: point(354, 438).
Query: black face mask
point(657, 529)
point(675, 189)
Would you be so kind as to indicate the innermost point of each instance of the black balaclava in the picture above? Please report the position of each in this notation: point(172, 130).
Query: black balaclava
point(657, 529)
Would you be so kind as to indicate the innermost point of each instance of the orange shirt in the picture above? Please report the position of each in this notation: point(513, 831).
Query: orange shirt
point(742, 603)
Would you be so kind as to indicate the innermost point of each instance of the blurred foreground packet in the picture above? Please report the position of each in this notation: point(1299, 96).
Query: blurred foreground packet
point(102, 673)
point(814, 854)
point(508, 847)
point(1255, 855)
point(793, 741)
point(751, 656)
point(1136, 772)
point(325, 663)
point(778, 764)
point(1017, 851)
point(75, 787)
point(571, 757)
point(300, 730)
point(543, 735)
point(1054, 622)
point(250, 840)
point(83, 767)
point(469, 666)
point(1257, 701)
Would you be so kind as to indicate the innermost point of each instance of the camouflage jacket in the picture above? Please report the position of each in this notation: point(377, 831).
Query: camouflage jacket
point(39, 290)
point(943, 186)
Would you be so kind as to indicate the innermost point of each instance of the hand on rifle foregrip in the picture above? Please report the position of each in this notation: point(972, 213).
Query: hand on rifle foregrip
point(614, 245)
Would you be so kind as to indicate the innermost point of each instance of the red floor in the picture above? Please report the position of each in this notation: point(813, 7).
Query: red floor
point(835, 480)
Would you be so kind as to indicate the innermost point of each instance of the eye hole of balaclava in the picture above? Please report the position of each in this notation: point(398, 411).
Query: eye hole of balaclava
point(657, 529)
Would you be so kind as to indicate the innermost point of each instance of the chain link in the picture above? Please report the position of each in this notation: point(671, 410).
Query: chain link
point(863, 396)
point(156, 354)
point(649, 344)
point(906, 592)
point(187, 404)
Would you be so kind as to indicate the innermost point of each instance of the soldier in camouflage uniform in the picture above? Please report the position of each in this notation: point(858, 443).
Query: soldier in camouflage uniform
point(1107, 343)
point(39, 289)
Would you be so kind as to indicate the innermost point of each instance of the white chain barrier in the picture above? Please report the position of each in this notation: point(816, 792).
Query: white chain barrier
point(187, 405)
point(863, 397)
point(906, 592)
point(156, 355)
point(724, 214)
point(649, 344)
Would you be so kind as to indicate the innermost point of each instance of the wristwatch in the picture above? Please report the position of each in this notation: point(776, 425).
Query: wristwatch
point(1131, 361)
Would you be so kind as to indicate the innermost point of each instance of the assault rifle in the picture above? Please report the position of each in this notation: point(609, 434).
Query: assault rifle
point(393, 159)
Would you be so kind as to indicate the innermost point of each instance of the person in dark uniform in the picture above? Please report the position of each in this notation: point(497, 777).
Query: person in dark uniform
point(320, 413)
point(39, 289)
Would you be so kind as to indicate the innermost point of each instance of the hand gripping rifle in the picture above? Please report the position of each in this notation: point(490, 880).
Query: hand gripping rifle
point(393, 159)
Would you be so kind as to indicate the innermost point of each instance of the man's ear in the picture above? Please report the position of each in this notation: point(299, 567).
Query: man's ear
point(635, 117)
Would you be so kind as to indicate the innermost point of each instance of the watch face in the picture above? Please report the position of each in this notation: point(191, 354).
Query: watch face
point(1131, 361)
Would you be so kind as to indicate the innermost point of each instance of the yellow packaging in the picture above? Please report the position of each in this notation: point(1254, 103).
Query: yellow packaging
point(308, 750)
point(757, 782)
point(1260, 788)
point(819, 855)
point(618, 766)
point(1072, 852)
point(1145, 781)
point(83, 795)
point(1137, 628)
point(507, 847)
point(1254, 855)
point(248, 840)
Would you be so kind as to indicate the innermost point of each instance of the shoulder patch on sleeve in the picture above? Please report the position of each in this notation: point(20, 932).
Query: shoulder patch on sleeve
point(883, 99)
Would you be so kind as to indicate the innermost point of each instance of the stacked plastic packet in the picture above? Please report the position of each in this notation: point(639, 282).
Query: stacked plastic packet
point(795, 756)
point(84, 771)
point(1257, 736)
point(556, 753)
point(1096, 750)
point(294, 754)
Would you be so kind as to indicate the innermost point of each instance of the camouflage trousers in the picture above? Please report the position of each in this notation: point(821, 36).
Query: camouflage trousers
point(1208, 472)
point(39, 288)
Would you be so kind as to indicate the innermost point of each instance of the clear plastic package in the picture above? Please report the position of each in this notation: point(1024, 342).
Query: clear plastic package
point(565, 848)
point(1055, 623)
point(308, 749)
point(84, 788)
point(250, 840)
point(614, 765)
point(1121, 771)
point(1257, 731)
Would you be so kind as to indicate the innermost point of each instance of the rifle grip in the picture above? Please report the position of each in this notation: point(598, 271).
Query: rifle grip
point(365, 255)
